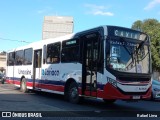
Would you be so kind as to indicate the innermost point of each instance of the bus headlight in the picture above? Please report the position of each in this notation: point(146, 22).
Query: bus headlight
point(112, 81)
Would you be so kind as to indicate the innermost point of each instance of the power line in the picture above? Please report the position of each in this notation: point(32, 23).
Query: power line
point(14, 40)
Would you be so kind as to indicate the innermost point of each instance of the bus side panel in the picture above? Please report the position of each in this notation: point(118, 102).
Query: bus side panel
point(26, 72)
point(71, 70)
point(9, 74)
point(54, 76)
point(49, 78)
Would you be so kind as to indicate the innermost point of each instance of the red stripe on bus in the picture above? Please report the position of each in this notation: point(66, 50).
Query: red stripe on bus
point(111, 92)
point(9, 81)
point(52, 87)
point(29, 84)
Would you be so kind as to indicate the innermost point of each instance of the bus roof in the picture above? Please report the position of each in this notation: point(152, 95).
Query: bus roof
point(39, 44)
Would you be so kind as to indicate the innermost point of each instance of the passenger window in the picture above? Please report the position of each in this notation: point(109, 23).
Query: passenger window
point(28, 56)
point(11, 58)
point(53, 53)
point(70, 51)
point(19, 57)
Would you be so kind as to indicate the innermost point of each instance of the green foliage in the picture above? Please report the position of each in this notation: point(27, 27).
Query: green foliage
point(152, 28)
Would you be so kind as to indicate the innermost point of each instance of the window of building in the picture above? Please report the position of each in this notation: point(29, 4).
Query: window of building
point(70, 51)
point(19, 57)
point(28, 56)
point(53, 53)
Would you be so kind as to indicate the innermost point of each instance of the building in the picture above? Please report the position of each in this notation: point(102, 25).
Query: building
point(55, 26)
point(2, 61)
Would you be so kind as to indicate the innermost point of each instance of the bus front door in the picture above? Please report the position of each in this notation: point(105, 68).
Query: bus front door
point(37, 68)
point(89, 67)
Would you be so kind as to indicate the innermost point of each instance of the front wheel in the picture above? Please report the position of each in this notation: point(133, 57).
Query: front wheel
point(72, 93)
point(23, 87)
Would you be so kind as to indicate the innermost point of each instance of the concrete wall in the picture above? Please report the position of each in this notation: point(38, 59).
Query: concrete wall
point(55, 26)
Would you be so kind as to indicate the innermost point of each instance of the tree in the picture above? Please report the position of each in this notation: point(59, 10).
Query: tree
point(152, 28)
point(137, 25)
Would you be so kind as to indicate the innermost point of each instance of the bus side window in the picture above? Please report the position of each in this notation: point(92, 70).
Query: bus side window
point(70, 51)
point(19, 57)
point(28, 56)
point(11, 58)
point(53, 53)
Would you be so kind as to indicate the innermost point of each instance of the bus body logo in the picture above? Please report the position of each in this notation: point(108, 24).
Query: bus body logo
point(24, 72)
point(50, 72)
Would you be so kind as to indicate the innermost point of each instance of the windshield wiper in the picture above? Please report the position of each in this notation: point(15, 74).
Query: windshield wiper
point(141, 44)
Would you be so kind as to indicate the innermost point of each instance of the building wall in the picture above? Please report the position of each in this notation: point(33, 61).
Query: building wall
point(55, 26)
point(2, 62)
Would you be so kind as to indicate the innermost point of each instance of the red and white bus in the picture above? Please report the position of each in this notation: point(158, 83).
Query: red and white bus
point(107, 62)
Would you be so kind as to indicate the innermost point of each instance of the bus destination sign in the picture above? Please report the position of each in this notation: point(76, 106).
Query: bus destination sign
point(126, 34)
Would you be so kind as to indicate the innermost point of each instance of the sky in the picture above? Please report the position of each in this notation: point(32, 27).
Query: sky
point(21, 21)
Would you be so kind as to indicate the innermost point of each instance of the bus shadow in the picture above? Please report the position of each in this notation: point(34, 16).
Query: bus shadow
point(59, 101)
point(87, 103)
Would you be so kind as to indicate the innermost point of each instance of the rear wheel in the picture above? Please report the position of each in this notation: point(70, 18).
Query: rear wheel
point(72, 93)
point(23, 87)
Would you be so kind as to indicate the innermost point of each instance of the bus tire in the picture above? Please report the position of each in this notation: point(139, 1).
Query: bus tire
point(23, 87)
point(109, 101)
point(72, 93)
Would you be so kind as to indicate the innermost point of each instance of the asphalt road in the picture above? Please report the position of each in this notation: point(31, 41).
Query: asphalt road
point(54, 106)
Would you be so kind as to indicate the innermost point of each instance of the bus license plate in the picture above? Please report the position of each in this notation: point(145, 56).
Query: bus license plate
point(136, 97)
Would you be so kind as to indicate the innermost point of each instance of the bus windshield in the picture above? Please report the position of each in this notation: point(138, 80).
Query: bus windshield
point(128, 55)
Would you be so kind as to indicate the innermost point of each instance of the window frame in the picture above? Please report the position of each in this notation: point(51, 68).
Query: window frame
point(66, 45)
point(24, 58)
point(9, 59)
point(53, 58)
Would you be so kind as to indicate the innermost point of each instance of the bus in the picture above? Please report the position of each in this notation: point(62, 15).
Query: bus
point(107, 62)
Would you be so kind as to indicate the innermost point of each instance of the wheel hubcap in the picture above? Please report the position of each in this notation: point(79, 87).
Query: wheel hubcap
point(23, 86)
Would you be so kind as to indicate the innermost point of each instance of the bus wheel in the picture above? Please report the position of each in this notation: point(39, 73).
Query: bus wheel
point(73, 95)
point(23, 87)
point(109, 101)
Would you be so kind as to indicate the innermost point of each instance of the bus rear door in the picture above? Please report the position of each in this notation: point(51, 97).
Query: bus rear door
point(37, 68)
